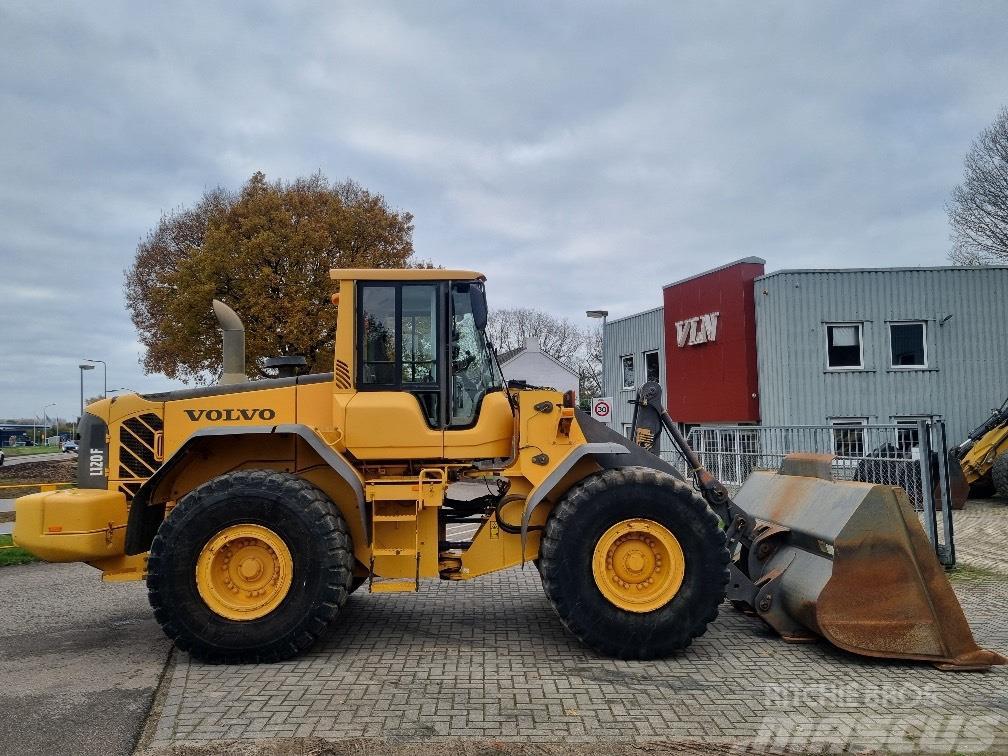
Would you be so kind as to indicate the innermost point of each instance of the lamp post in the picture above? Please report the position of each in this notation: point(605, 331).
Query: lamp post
point(82, 369)
point(603, 314)
point(104, 375)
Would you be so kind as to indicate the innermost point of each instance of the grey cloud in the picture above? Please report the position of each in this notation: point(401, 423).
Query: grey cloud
point(581, 154)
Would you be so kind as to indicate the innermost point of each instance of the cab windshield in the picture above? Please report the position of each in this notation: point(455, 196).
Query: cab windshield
point(474, 371)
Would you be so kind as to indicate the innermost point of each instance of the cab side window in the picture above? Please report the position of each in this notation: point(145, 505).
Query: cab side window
point(472, 367)
point(398, 347)
point(378, 334)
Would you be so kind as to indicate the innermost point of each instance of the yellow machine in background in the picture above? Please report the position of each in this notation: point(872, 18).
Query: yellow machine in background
point(254, 509)
point(983, 456)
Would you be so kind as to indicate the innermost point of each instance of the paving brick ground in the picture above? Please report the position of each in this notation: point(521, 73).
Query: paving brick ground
point(488, 662)
point(981, 534)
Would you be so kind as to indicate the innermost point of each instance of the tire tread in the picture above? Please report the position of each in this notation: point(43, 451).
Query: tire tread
point(327, 524)
point(551, 554)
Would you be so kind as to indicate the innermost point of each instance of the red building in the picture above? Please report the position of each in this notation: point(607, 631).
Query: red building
point(710, 345)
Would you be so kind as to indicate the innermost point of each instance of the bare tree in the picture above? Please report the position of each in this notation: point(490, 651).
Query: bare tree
point(511, 328)
point(590, 368)
point(978, 210)
point(580, 349)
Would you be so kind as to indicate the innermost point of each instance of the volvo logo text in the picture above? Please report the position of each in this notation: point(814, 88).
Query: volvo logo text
point(230, 415)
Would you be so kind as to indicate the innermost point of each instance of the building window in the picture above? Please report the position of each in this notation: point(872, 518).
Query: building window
point(651, 369)
point(843, 346)
point(849, 436)
point(628, 429)
point(908, 436)
point(628, 372)
point(908, 345)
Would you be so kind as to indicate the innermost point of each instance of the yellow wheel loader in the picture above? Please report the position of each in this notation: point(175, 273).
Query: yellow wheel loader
point(253, 509)
point(983, 456)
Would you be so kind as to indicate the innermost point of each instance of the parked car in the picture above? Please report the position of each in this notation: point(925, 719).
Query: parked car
point(70, 447)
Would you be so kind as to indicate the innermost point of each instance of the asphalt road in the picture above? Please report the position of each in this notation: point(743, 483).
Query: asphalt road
point(80, 661)
point(10, 461)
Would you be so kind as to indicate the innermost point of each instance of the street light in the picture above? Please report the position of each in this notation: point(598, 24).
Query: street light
point(104, 375)
point(82, 369)
point(603, 314)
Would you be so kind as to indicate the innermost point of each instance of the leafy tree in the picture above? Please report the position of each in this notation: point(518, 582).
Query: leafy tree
point(978, 210)
point(266, 251)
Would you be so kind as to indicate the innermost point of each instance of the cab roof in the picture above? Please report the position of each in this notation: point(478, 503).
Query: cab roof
point(404, 274)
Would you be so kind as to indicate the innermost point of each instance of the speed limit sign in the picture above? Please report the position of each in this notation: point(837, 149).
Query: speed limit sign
point(601, 408)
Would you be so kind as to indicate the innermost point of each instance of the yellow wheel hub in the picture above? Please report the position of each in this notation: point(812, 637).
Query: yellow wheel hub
point(638, 565)
point(244, 572)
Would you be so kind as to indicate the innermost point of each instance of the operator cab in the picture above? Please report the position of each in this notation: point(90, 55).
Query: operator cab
point(428, 383)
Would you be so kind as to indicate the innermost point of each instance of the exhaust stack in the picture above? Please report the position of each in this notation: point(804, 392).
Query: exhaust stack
point(234, 344)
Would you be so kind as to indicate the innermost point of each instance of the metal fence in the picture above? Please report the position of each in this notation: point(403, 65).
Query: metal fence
point(911, 456)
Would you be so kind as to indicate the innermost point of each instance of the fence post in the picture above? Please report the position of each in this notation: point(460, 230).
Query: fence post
point(946, 553)
point(927, 492)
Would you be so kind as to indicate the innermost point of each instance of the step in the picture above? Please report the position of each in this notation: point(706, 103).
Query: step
point(394, 586)
point(395, 518)
point(393, 552)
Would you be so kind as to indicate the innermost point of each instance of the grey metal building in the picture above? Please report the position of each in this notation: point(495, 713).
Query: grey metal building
point(886, 345)
point(634, 348)
point(844, 348)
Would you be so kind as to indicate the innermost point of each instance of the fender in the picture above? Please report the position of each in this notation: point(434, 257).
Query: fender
point(145, 518)
point(540, 492)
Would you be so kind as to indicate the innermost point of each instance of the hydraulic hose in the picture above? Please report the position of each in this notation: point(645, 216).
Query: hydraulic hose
point(507, 527)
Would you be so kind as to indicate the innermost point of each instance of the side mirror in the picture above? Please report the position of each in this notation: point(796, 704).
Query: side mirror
point(477, 301)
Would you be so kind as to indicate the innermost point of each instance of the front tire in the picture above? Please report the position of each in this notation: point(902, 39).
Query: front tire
point(634, 563)
point(999, 474)
point(252, 566)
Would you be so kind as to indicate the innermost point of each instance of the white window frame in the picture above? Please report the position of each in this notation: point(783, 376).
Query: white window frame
point(658, 357)
point(848, 423)
point(860, 329)
point(627, 429)
point(633, 369)
point(924, 326)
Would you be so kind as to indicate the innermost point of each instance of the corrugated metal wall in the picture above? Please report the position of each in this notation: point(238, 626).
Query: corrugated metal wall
point(967, 345)
point(635, 334)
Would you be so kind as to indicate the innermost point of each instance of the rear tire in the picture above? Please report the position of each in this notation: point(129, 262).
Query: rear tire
point(309, 537)
point(586, 516)
point(999, 474)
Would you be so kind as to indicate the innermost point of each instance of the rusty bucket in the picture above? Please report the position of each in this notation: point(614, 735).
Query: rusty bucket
point(850, 562)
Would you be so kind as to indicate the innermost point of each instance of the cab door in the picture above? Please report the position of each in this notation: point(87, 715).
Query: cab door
point(480, 420)
point(397, 412)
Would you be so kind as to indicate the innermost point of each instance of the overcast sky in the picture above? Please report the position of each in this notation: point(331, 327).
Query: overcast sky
point(580, 154)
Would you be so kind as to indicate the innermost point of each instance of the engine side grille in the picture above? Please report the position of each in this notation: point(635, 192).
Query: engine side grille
point(137, 456)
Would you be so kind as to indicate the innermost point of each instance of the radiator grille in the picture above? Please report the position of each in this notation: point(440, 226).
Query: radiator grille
point(137, 456)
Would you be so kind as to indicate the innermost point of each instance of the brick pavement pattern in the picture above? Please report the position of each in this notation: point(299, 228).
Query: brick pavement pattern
point(981, 534)
point(489, 661)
